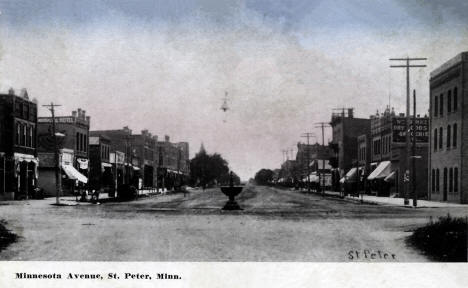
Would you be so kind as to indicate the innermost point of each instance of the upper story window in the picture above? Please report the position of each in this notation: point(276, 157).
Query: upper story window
point(435, 139)
point(449, 101)
point(449, 136)
point(441, 106)
point(436, 106)
point(455, 99)
point(18, 134)
point(441, 137)
point(455, 131)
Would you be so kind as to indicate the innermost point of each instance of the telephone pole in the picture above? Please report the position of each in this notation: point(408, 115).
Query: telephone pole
point(322, 125)
point(413, 176)
point(308, 135)
point(407, 65)
point(58, 172)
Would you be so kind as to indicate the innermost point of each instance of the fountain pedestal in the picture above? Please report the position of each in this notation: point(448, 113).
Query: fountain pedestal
point(231, 192)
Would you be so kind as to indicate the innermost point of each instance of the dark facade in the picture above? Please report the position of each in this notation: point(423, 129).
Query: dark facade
point(101, 170)
point(173, 163)
point(124, 156)
point(448, 157)
point(145, 147)
point(73, 138)
point(18, 153)
point(346, 130)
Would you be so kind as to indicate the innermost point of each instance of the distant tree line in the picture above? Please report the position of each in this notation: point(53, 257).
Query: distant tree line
point(264, 177)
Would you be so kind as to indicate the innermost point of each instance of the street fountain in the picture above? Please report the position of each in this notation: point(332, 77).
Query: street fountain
point(231, 191)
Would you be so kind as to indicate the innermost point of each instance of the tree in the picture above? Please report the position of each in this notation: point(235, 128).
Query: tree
point(206, 169)
point(264, 177)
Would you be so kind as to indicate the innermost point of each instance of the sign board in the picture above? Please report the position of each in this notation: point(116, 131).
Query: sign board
point(399, 130)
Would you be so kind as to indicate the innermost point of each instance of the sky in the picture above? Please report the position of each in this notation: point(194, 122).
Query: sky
point(165, 65)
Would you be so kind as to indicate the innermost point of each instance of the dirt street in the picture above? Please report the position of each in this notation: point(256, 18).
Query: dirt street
point(275, 225)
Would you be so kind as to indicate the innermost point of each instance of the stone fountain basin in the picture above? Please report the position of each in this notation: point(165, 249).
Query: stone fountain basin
point(231, 191)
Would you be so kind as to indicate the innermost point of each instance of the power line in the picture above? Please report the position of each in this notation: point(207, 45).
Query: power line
point(407, 65)
point(322, 125)
point(58, 172)
point(308, 135)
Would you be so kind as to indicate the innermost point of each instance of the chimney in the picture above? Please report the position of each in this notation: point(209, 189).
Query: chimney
point(74, 114)
point(166, 138)
point(350, 113)
point(83, 114)
point(88, 119)
point(79, 112)
point(418, 116)
point(11, 91)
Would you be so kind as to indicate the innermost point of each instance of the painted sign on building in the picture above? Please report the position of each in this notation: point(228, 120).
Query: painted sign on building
point(421, 131)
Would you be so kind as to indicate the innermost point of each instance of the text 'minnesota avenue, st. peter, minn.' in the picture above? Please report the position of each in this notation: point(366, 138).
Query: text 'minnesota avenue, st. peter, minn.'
point(99, 276)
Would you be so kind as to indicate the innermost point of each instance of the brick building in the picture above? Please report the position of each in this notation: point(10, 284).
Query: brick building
point(123, 155)
point(346, 130)
point(18, 153)
point(145, 148)
point(448, 157)
point(73, 137)
point(101, 170)
point(388, 154)
point(173, 163)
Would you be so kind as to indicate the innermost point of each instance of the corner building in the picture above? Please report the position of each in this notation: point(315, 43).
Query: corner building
point(448, 165)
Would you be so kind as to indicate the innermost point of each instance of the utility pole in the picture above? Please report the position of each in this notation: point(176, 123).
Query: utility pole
point(407, 65)
point(308, 135)
point(413, 176)
point(58, 172)
point(322, 125)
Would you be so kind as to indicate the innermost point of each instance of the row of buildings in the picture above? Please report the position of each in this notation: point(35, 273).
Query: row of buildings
point(369, 154)
point(90, 160)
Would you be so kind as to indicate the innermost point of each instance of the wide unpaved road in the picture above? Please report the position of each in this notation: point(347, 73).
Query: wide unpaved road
point(275, 225)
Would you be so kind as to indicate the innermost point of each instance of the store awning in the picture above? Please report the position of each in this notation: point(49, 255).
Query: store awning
point(390, 177)
point(20, 157)
point(104, 164)
point(74, 174)
point(382, 171)
point(350, 176)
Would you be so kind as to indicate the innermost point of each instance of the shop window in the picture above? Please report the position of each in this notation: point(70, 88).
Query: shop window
point(455, 99)
point(436, 106)
point(449, 136)
point(455, 131)
point(455, 180)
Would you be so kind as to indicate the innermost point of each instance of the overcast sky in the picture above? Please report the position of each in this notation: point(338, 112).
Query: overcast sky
point(164, 65)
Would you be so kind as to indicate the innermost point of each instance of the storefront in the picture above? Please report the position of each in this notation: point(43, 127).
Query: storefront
point(381, 179)
point(18, 176)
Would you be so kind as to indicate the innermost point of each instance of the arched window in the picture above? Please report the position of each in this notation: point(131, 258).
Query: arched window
point(438, 180)
point(451, 180)
point(455, 180)
point(455, 99)
point(436, 106)
point(454, 142)
point(435, 139)
point(449, 136)
point(441, 139)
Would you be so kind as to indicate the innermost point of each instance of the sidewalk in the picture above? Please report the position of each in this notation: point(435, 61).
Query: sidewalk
point(391, 201)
